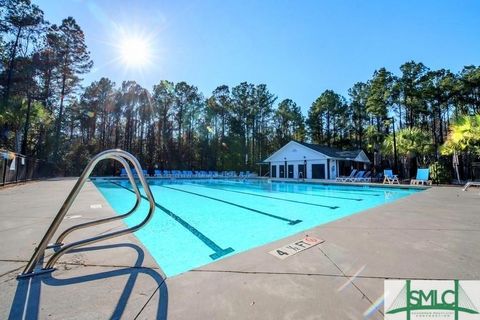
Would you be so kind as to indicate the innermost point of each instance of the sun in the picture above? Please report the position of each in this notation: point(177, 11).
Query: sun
point(135, 51)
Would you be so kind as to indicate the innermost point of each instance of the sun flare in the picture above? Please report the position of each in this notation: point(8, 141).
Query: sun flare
point(135, 52)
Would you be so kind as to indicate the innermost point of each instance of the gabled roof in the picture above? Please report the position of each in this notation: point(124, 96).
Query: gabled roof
point(333, 152)
point(356, 155)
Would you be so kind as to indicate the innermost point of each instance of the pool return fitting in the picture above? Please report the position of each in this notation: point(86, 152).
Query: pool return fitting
point(34, 266)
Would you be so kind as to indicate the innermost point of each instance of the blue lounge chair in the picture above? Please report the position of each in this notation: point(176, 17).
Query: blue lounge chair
point(389, 177)
point(344, 179)
point(123, 172)
point(366, 177)
point(422, 178)
point(158, 173)
point(357, 177)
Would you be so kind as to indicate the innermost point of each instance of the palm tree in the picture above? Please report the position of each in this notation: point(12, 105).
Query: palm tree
point(412, 144)
point(464, 136)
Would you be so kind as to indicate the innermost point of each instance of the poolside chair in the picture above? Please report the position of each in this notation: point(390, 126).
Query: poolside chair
point(422, 177)
point(365, 177)
point(166, 174)
point(389, 177)
point(145, 173)
point(470, 184)
point(157, 173)
point(343, 179)
point(357, 177)
point(123, 172)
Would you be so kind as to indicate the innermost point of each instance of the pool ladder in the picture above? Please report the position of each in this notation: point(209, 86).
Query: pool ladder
point(114, 154)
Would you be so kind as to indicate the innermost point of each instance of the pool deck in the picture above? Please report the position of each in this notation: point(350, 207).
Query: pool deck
point(430, 235)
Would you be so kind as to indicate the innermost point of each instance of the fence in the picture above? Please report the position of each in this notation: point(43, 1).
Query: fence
point(15, 168)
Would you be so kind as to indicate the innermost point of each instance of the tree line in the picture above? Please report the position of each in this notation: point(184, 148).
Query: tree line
point(45, 111)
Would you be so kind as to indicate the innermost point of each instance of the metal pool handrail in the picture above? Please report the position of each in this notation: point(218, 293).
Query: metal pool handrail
point(64, 234)
point(115, 154)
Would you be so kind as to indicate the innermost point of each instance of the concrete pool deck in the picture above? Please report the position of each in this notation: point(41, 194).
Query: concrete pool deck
point(430, 235)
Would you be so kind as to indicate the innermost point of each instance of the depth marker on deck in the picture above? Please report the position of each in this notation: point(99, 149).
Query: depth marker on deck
point(295, 247)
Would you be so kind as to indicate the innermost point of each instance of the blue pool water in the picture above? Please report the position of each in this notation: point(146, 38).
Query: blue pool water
point(200, 221)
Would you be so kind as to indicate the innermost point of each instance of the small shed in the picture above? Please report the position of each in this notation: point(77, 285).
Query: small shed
point(300, 160)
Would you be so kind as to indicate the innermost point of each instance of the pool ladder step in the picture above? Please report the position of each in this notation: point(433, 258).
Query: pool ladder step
point(36, 266)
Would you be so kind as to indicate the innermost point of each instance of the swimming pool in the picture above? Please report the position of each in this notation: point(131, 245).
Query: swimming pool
point(200, 221)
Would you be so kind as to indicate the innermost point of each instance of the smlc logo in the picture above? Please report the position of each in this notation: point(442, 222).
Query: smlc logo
point(431, 299)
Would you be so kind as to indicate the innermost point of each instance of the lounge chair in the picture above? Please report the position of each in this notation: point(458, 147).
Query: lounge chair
point(357, 178)
point(344, 179)
point(167, 174)
point(158, 173)
point(367, 177)
point(389, 177)
point(422, 177)
point(123, 172)
point(470, 184)
point(364, 178)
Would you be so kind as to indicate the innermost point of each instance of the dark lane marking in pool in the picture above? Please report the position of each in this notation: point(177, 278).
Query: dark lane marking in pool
point(363, 193)
point(219, 252)
point(280, 191)
point(291, 222)
point(259, 195)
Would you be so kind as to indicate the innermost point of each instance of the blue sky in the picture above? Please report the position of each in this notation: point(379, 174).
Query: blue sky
point(298, 48)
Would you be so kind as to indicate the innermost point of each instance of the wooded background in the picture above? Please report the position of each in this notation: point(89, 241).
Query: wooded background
point(46, 113)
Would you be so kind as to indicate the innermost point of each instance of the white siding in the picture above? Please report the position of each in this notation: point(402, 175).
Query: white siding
point(294, 153)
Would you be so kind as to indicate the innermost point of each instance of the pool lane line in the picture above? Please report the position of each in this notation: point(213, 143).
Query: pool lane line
point(281, 199)
point(280, 191)
point(219, 252)
point(290, 222)
point(364, 193)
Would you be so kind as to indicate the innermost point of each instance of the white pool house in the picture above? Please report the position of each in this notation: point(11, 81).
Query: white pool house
point(300, 160)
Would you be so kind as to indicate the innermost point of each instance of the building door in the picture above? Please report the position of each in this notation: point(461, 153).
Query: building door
point(318, 171)
point(274, 172)
point(282, 171)
point(290, 171)
point(301, 171)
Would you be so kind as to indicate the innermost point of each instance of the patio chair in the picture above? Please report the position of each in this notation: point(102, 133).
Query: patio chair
point(166, 174)
point(343, 179)
point(123, 172)
point(357, 178)
point(470, 184)
point(157, 173)
point(365, 178)
point(422, 177)
point(389, 177)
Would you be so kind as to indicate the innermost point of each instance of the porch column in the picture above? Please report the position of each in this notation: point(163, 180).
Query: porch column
point(328, 169)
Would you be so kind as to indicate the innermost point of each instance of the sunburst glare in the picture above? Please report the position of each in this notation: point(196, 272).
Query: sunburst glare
point(135, 52)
